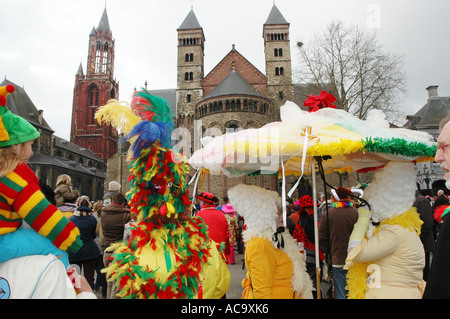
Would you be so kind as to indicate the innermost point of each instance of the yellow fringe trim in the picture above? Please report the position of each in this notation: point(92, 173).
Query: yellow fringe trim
point(357, 274)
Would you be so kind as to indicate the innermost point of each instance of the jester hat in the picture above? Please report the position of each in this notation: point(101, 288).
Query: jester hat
point(13, 128)
point(157, 172)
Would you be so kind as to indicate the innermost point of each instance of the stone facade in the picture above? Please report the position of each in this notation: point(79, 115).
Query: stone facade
point(234, 94)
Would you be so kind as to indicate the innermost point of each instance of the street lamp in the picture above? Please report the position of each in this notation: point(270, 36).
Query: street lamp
point(426, 175)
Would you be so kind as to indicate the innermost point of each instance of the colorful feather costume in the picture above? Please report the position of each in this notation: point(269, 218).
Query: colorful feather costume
point(169, 254)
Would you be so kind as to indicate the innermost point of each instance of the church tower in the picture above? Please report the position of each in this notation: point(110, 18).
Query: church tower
point(94, 89)
point(277, 52)
point(190, 69)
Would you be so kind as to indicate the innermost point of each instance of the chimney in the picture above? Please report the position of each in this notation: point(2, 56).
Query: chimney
point(432, 91)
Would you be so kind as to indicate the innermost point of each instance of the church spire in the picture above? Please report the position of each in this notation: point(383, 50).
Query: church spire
point(104, 22)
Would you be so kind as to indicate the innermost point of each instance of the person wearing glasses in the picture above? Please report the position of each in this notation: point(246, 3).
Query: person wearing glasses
point(438, 283)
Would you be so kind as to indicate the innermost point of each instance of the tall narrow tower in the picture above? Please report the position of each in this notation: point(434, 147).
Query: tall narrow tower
point(190, 68)
point(277, 52)
point(95, 89)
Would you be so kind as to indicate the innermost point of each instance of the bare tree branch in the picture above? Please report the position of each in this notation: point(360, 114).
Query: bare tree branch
point(350, 63)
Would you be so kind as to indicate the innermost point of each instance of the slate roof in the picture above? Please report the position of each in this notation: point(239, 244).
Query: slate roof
point(170, 95)
point(431, 113)
point(43, 159)
point(233, 84)
point(104, 22)
point(63, 143)
point(20, 103)
point(275, 17)
point(190, 22)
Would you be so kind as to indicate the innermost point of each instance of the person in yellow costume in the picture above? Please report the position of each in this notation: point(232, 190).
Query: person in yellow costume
point(169, 254)
point(275, 267)
point(386, 257)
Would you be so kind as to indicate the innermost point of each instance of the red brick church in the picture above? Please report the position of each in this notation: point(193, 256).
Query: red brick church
point(94, 89)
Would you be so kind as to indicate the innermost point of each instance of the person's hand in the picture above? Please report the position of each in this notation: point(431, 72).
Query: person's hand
point(79, 282)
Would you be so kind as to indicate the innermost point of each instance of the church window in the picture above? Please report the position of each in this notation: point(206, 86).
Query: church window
point(278, 52)
point(232, 127)
point(281, 95)
point(189, 57)
point(93, 115)
point(279, 71)
point(97, 59)
point(188, 98)
point(105, 58)
point(191, 76)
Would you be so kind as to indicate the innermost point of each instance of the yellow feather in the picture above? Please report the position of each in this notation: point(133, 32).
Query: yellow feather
point(118, 114)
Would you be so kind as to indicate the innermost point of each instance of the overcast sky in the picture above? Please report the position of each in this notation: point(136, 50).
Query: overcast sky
point(43, 42)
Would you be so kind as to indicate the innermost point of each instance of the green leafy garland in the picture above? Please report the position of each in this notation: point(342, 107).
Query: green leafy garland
point(398, 146)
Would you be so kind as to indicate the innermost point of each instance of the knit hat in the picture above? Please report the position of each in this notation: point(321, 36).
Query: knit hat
point(114, 186)
point(207, 197)
point(13, 128)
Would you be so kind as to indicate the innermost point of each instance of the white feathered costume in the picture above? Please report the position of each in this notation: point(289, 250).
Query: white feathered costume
point(387, 252)
point(272, 272)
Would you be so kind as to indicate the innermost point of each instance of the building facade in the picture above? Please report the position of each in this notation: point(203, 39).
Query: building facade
point(430, 176)
point(53, 155)
point(234, 94)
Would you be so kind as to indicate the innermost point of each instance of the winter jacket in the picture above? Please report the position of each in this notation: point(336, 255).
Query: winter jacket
point(37, 277)
point(341, 223)
point(113, 220)
point(438, 281)
point(217, 225)
point(60, 190)
point(397, 258)
point(426, 215)
point(87, 226)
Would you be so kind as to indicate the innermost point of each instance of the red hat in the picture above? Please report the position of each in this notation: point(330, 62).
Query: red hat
point(207, 197)
point(305, 201)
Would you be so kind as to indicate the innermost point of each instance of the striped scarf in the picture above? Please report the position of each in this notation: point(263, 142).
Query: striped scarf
point(22, 199)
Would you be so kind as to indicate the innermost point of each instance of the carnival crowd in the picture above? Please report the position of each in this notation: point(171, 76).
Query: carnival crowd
point(58, 243)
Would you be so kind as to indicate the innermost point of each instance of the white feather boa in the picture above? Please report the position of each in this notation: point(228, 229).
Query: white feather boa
point(259, 207)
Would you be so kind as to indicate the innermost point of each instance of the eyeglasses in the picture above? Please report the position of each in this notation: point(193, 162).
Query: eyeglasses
point(442, 147)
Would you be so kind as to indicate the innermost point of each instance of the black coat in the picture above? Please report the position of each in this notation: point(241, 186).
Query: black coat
point(438, 281)
point(426, 215)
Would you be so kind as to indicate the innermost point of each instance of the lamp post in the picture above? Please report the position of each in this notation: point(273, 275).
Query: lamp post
point(426, 175)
